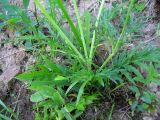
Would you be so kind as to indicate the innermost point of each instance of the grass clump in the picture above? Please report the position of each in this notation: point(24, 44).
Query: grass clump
point(65, 89)
point(6, 111)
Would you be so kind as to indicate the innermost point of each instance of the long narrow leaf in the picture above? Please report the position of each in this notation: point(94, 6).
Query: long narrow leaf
point(94, 32)
point(4, 117)
point(80, 28)
point(134, 70)
point(119, 43)
point(70, 22)
point(7, 109)
point(81, 91)
point(68, 42)
point(71, 86)
point(66, 113)
point(88, 27)
point(3, 105)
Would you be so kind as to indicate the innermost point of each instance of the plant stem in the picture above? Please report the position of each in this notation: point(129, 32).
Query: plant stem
point(119, 42)
point(69, 20)
point(80, 28)
point(70, 44)
point(119, 86)
point(94, 32)
point(106, 61)
point(124, 26)
point(111, 112)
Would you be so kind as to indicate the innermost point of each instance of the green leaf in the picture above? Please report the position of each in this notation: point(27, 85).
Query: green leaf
point(28, 76)
point(80, 28)
point(118, 87)
point(88, 27)
point(131, 68)
point(70, 106)
point(157, 81)
point(140, 6)
point(152, 73)
point(81, 91)
point(134, 105)
point(145, 106)
point(140, 108)
point(57, 27)
point(94, 32)
point(77, 115)
point(56, 68)
point(43, 92)
point(37, 116)
point(158, 30)
point(66, 113)
point(57, 98)
point(8, 110)
point(100, 80)
point(41, 87)
point(45, 114)
point(135, 89)
point(60, 78)
point(128, 76)
point(29, 37)
point(3, 105)
point(26, 3)
point(12, 21)
point(90, 98)
point(42, 83)
point(86, 100)
point(148, 97)
point(3, 117)
point(81, 105)
point(71, 86)
point(111, 112)
point(38, 96)
point(28, 45)
point(73, 28)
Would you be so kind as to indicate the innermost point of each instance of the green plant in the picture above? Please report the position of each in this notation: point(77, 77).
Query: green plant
point(5, 112)
point(16, 18)
point(64, 89)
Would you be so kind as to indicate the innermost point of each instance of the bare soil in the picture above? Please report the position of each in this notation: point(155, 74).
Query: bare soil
point(18, 98)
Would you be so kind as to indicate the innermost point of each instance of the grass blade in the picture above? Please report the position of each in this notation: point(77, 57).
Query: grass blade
point(124, 26)
point(94, 32)
point(67, 41)
point(71, 24)
point(66, 113)
point(119, 42)
point(81, 91)
point(119, 86)
point(80, 28)
point(71, 86)
point(111, 112)
point(3, 105)
point(7, 109)
point(88, 27)
point(4, 117)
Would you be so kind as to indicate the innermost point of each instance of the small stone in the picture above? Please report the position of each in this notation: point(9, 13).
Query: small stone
point(153, 87)
point(148, 118)
point(158, 94)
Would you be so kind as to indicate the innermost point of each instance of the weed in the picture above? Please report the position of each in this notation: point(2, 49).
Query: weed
point(5, 112)
point(64, 89)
